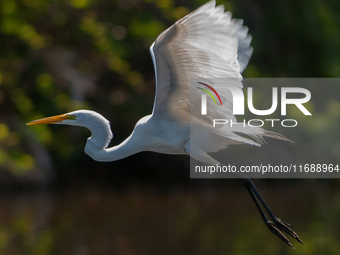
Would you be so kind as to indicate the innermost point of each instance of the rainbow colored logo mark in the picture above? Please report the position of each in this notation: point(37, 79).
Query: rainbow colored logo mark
point(209, 93)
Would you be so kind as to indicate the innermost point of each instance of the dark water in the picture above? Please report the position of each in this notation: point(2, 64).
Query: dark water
point(140, 221)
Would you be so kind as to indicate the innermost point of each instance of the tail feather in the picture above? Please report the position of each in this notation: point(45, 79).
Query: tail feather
point(251, 135)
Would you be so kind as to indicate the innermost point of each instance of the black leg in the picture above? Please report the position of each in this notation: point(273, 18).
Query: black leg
point(277, 225)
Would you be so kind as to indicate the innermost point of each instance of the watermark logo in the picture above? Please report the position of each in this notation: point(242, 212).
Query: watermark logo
point(204, 97)
point(295, 96)
point(305, 110)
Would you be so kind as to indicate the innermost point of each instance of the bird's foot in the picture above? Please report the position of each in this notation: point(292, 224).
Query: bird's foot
point(277, 226)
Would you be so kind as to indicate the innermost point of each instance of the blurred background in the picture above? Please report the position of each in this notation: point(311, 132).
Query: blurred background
point(63, 55)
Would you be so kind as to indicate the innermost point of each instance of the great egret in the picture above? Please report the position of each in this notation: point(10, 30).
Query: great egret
point(206, 43)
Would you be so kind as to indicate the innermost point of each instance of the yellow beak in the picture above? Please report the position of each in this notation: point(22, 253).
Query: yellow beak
point(51, 120)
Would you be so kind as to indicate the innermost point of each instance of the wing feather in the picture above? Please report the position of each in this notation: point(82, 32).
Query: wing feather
point(206, 43)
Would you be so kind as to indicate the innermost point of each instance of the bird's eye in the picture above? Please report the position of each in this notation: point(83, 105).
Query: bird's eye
point(72, 117)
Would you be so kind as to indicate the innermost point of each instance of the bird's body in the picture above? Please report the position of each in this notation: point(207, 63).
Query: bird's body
point(205, 44)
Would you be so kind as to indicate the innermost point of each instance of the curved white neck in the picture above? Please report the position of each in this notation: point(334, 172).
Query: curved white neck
point(96, 146)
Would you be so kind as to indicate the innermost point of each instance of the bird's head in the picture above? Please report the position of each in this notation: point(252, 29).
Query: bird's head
point(84, 118)
point(96, 123)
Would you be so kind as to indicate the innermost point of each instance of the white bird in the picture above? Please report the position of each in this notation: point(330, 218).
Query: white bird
point(204, 44)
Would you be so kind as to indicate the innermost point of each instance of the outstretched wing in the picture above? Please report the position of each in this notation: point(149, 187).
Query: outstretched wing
point(206, 43)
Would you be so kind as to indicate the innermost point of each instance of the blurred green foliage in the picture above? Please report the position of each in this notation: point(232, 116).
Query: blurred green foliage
point(59, 56)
